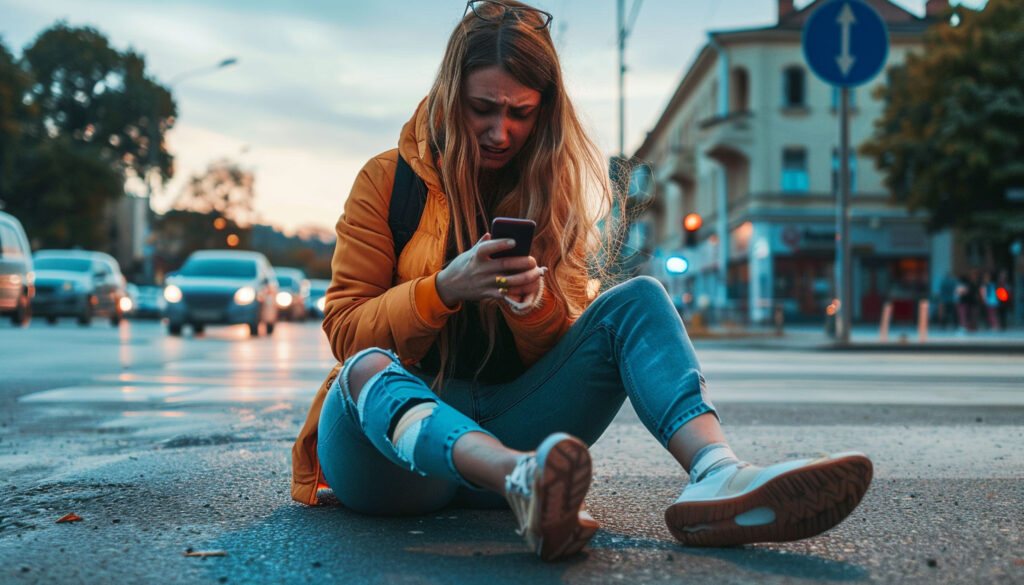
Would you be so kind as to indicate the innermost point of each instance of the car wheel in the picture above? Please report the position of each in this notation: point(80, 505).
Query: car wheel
point(198, 328)
point(86, 317)
point(23, 314)
point(174, 329)
point(254, 329)
point(115, 319)
point(270, 328)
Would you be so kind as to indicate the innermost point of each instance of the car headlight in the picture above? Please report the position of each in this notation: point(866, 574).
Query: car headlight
point(284, 299)
point(67, 286)
point(172, 293)
point(125, 304)
point(245, 295)
point(321, 303)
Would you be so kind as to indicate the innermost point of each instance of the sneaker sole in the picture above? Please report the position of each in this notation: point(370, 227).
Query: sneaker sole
point(806, 501)
point(565, 480)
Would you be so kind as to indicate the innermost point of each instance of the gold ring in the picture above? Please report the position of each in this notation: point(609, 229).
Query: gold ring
point(500, 282)
point(502, 291)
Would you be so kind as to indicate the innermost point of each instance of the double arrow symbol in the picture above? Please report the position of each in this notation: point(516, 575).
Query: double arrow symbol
point(846, 21)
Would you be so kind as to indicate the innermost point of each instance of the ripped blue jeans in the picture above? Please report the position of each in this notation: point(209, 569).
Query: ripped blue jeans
point(630, 342)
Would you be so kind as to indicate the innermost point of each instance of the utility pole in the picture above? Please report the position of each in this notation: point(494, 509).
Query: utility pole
point(625, 27)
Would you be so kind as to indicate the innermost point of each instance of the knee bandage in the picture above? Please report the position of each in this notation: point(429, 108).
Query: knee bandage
point(407, 429)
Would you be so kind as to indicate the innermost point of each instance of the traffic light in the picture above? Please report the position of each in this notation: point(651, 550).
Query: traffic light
point(691, 223)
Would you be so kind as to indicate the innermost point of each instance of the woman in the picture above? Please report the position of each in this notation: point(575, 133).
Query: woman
point(480, 380)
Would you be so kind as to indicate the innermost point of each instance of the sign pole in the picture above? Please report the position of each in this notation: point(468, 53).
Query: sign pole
point(845, 43)
point(844, 285)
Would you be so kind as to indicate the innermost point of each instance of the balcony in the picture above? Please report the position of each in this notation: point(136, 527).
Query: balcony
point(725, 137)
point(679, 166)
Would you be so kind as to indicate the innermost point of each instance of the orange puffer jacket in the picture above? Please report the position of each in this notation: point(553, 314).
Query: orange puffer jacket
point(371, 304)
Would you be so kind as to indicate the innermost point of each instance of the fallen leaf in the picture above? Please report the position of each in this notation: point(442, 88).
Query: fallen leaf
point(1018, 562)
point(207, 553)
point(69, 518)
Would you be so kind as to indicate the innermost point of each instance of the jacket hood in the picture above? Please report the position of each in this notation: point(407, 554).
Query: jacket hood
point(414, 146)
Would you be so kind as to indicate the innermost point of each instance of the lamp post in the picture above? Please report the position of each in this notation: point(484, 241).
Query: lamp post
point(154, 145)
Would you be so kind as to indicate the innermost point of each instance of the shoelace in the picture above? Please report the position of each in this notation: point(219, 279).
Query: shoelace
point(520, 480)
point(519, 490)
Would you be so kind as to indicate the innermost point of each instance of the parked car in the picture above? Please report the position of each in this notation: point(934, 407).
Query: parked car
point(315, 301)
point(149, 302)
point(292, 292)
point(78, 283)
point(222, 287)
point(17, 286)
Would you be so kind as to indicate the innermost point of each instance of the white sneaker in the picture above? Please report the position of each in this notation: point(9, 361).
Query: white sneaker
point(740, 503)
point(546, 491)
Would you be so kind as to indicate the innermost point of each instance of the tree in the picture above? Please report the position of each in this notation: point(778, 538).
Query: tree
point(14, 114)
point(225, 189)
point(949, 141)
point(178, 233)
point(89, 119)
point(89, 91)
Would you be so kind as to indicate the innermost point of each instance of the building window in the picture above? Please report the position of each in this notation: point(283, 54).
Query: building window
point(794, 171)
point(835, 171)
point(793, 87)
point(739, 90)
point(835, 98)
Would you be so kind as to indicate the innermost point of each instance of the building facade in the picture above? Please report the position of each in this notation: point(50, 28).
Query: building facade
point(750, 141)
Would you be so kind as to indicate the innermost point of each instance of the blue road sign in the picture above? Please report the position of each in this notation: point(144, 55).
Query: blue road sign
point(845, 42)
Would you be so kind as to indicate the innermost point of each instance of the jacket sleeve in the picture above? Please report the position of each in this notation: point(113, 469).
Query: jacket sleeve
point(363, 306)
point(537, 331)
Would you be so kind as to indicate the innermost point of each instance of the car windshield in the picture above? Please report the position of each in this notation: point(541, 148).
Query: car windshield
point(286, 281)
point(219, 267)
point(70, 264)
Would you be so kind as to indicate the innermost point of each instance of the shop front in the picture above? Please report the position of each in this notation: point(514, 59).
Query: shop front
point(890, 263)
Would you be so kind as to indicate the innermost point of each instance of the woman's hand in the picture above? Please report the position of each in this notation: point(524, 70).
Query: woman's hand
point(473, 275)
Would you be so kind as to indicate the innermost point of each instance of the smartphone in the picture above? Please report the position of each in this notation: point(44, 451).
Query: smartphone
point(520, 230)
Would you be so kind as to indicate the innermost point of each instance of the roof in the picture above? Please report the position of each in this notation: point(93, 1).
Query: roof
point(228, 254)
point(898, 21)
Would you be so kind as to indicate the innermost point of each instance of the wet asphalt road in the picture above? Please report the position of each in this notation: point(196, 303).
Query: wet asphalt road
point(163, 445)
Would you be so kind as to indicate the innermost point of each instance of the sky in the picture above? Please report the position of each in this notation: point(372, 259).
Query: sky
point(321, 86)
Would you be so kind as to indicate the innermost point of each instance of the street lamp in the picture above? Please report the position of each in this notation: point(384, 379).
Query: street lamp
point(154, 145)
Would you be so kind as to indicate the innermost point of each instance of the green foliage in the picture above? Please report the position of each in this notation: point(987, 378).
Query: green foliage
point(55, 197)
point(14, 83)
point(77, 119)
point(949, 141)
point(89, 91)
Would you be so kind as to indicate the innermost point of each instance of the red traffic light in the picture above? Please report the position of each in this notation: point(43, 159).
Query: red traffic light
point(692, 222)
point(1002, 294)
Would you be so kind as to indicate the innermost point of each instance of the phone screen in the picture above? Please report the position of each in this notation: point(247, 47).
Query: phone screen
point(520, 230)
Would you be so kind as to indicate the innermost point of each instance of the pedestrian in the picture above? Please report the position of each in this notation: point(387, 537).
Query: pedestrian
point(947, 301)
point(989, 300)
point(969, 300)
point(479, 381)
point(1004, 294)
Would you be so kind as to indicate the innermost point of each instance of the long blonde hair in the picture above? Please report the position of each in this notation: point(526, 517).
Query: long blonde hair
point(562, 181)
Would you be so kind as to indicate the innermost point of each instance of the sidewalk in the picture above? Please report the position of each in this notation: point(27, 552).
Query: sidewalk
point(902, 337)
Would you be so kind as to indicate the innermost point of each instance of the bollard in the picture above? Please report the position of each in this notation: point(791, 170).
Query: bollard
point(922, 320)
point(883, 329)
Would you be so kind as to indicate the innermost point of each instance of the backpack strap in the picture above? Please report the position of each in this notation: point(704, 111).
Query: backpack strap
point(408, 197)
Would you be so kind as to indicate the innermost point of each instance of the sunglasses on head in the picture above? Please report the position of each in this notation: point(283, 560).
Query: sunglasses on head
point(493, 11)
